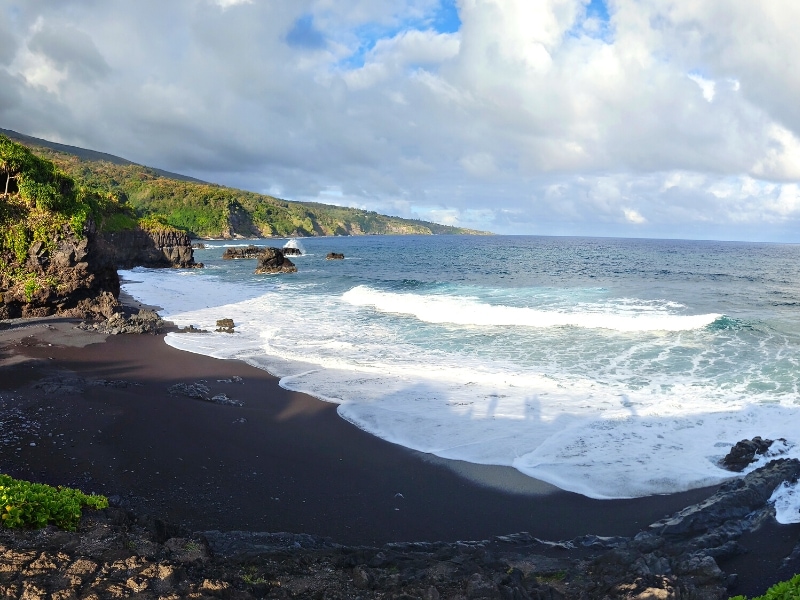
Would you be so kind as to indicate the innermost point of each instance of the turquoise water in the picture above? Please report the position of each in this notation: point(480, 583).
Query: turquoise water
point(612, 368)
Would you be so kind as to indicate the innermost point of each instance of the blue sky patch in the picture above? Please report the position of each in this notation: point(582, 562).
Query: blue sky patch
point(444, 19)
point(598, 9)
point(596, 14)
point(447, 19)
point(303, 34)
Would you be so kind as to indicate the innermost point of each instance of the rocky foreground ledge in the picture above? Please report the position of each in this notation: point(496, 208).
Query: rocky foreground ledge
point(117, 554)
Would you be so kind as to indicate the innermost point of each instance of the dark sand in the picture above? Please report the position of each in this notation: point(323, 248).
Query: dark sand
point(282, 462)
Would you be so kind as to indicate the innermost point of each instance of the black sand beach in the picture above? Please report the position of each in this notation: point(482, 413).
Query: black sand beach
point(95, 412)
point(282, 462)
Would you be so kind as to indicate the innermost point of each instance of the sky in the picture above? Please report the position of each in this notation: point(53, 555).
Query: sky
point(628, 118)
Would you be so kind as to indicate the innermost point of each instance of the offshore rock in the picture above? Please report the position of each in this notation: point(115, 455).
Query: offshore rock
point(154, 249)
point(291, 251)
point(88, 285)
point(334, 256)
point(272, 260)
point(250, 251)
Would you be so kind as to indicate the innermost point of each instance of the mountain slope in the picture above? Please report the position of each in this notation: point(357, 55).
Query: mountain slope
point(209, 210)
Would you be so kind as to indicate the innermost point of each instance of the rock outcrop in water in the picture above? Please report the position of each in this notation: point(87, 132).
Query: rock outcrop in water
point(335, 256)
point(140, 248)
point(744, 453)
point(272, 260)
point(250, 251)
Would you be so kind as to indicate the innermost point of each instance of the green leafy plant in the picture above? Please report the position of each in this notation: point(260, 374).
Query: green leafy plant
point(785, 590)
point(26, 504)
point(31, 287)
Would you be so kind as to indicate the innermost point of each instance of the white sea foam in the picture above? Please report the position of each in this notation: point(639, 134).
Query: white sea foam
point(786, 499)
point(469, 311)
point(604, 413)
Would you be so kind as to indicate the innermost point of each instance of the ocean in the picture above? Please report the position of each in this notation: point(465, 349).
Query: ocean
point(613, 368)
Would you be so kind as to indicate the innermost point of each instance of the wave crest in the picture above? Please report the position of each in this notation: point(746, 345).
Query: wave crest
point(451, 310)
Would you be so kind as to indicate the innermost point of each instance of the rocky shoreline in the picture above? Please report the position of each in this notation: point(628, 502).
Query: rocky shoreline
point(116, 554)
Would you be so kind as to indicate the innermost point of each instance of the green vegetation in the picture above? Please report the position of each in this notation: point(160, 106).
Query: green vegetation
point(26, 504)
point(785, 590)
point(207, 210)
point(39, 205)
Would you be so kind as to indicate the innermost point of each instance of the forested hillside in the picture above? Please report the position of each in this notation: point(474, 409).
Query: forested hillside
point(208, 210)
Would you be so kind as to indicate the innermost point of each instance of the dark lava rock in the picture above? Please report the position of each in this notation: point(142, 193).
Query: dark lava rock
point(154, 249)
point(733, 501)
point(117, 553)
point(292, 252)
point(225, 326)
point(272, 260)
point(145, 321)
point(335, 256)
point(83, 267)
point(250, 251)
point(744, 453)
point(198, 246)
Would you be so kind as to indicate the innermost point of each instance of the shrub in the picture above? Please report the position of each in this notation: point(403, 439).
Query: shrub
point(785, 590)
point(26, 504)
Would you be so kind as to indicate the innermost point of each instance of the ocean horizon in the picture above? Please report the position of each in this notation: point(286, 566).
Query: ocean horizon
point(609, 367)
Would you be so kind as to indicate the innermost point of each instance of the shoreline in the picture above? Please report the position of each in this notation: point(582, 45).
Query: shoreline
point(295, 464)
point(92, 411)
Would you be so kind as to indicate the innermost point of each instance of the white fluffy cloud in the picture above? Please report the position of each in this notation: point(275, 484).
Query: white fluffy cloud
point(535, 116)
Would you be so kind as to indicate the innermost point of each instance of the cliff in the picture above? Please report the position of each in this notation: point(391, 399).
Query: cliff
point(54, 256)
point(71, 275)
point(139, 247)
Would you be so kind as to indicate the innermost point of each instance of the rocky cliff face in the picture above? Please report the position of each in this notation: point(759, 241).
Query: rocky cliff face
point(77, 276)
point(142, 248)
point(74, 277)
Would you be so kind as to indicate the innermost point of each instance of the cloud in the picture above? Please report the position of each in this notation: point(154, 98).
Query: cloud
point(226, 4)
point(632, 117)
point(70, 51)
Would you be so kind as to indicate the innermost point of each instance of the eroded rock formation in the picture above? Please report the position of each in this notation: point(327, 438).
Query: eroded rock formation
point(140, 248)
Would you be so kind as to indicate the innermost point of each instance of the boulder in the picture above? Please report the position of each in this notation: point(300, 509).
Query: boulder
point(145, 321)
point(292, 251)
point(225, 326)
point(335, 256)
point(272, 260)
point(744, 453)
